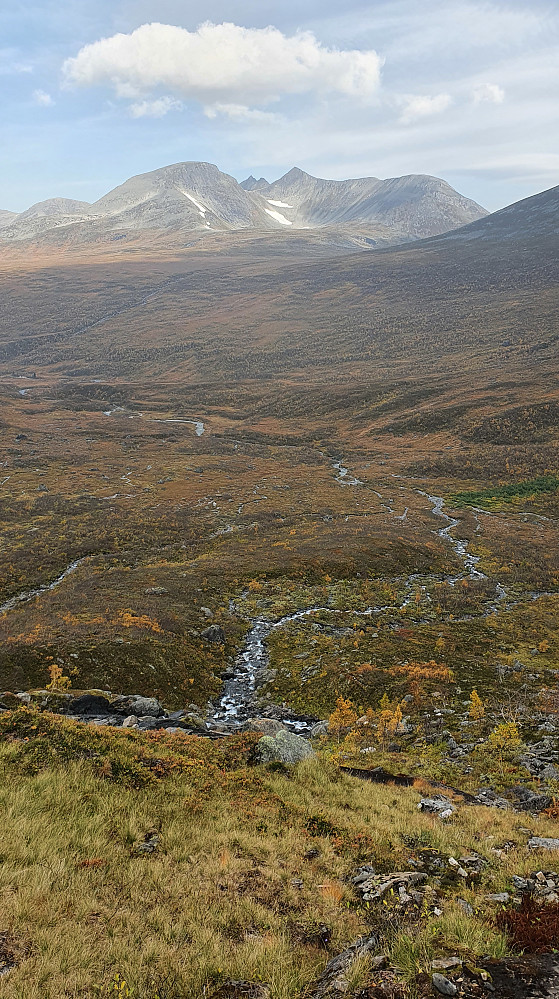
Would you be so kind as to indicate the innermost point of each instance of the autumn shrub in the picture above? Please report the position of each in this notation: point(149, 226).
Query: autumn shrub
point(533, 927)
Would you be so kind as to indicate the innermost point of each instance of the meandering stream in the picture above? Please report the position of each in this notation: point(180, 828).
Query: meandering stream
point(22, 598)
point(250, 670)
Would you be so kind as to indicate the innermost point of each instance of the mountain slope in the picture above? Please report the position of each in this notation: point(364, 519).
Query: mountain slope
point(6, 217)
point(417, 204)
point(192, 198)
point(536, 216)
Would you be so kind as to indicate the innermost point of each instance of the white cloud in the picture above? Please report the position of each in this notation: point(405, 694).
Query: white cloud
point(239, 112)
point(419, 106)
point(223, 65)
point(43, 99)
point(156, 108)
point(490, 93)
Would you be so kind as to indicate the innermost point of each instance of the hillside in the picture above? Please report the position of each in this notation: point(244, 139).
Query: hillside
point(249, 496)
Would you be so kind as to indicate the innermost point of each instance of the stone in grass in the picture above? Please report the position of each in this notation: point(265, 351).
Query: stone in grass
point(543, 843)
point(214, 633)
point(443, 985)
point(149, 843)
point(444, 963)
point(437, 805)
point(285, 747)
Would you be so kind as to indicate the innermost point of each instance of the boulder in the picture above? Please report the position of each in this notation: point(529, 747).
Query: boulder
point(89, 704)
point(10, 701)
point(321, 728)
point(530, 801)
point(268, 726)
point(443, 985)
point(130, 721)
point(135, 704)
point(438, 805)
point(156, 590)
point(543, 843)
point(285, 747)
point(214, 633)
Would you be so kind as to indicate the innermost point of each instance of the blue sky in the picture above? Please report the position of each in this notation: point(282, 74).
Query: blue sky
point(94, 91)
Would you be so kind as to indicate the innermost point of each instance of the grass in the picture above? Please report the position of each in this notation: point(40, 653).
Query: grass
point(494, 495)
point(229, 892)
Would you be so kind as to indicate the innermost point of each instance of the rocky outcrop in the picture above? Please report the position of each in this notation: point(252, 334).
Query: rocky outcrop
point(285, 747)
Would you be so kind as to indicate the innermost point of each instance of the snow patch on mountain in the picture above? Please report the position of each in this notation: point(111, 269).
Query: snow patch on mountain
point(279, 204)
point(278, 216)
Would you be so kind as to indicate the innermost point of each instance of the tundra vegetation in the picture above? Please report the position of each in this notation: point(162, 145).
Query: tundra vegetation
point(125, 534)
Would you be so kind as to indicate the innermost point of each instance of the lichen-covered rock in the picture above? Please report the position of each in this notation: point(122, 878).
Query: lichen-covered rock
point(543, 843)
point(268, 726)
point(214, 633)
point(137, 705)
point(285, 747)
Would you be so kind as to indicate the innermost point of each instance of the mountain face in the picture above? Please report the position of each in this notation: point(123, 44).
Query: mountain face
point(536, 216)
point(252, 184)
point(197, 198)
point(418, 205)
point(6, 217)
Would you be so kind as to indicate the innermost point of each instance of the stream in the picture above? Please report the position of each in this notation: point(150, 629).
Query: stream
point(250, 670)
point(199, 426)
point(22, 598)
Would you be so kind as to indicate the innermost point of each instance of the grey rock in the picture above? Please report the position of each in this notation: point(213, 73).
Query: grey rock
point(268, 726)
point(214, 633)
point(157, 590)
point(549, 773)
point(500, 896)
point(285, 747)
point(130, 721)
point(465, 906)
point(443, 985)
point(543, 843)
point(135, 704)
point(530, 801)
point(148, 845)
point(444, 963)
point(437, 805)
point(321, 728)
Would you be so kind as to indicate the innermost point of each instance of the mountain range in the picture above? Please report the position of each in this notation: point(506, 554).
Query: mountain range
point(188, 201)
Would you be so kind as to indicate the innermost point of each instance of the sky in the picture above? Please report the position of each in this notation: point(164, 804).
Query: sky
point(95, 91)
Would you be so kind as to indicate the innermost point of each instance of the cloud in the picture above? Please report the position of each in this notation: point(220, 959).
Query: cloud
point(490, 93)
point(11, 62)
point(156, 108)
point(43, 99)
point(223, 65)
point(419, 106)
point(239, 112)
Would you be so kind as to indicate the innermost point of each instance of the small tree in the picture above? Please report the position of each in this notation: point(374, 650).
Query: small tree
point(58, 681)
point(343, 718)
point(477, 707)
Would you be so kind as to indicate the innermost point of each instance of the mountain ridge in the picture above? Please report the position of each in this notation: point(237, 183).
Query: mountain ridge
point(192, 198)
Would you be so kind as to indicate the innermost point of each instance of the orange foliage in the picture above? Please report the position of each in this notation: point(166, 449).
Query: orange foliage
point(422, 671)
point(127, 619)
